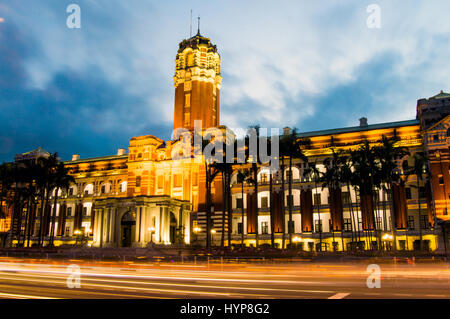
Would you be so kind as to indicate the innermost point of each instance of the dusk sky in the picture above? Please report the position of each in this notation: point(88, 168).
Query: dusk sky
point(306, 64)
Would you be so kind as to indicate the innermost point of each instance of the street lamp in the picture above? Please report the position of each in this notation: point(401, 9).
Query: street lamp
point(152, 231)
point(213, 231)
point(77, 233)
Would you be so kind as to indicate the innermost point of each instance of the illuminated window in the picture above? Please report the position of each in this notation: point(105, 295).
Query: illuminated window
point(318, 226)
point(347, 224)
point(264, 178)
point(264, 202)
point(194, 179)
point(264, 228)
point(177, 180)
point(187, 100)
point(190, 59)
point(187, 119)
point(239, 202)
point(160, 182)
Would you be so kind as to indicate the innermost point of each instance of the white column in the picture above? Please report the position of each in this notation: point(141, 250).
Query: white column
point(143, 225)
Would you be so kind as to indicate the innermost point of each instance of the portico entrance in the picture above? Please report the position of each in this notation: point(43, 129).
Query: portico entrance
point(128, 224)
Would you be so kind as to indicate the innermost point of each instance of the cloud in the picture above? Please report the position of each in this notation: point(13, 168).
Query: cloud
point(312, 65)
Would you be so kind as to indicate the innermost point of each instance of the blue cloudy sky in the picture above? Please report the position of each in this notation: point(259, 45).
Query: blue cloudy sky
point(308, 64)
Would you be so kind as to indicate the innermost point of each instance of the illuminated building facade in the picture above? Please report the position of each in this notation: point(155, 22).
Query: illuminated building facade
point(146, 195)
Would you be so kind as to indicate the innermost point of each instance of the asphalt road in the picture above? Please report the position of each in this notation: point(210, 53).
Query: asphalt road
point(25, 278)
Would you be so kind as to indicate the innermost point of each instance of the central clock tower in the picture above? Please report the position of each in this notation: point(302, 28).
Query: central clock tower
point(197, 83)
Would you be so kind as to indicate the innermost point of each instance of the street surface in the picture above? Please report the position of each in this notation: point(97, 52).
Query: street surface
point(32, 278)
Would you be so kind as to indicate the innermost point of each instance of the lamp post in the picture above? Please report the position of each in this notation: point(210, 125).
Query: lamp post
point(296, 240)
point(77, 234)
point(387, 238)
point(213, 231)
point(196, 230)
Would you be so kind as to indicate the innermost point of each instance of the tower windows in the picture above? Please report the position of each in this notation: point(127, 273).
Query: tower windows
point(138, 181)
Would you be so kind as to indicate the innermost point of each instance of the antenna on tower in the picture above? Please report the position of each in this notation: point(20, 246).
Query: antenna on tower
point(190, 32)
point(198, 25)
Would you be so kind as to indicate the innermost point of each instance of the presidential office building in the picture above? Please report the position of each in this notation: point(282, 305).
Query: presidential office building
point(143, 195)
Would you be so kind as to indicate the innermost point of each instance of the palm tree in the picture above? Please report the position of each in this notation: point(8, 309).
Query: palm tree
point(388, 153)
point(254, 169)
point(420, 171)
point(45, 183)
point(366, 176)
point(5, 185)
point(346, 176)
point(61, 180)
point(313, 172)
point(291, 146)
point(242, 176)
point(332, 178)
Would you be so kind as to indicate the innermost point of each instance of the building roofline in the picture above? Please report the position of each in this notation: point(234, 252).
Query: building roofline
point(359, 128)
point(95, 159)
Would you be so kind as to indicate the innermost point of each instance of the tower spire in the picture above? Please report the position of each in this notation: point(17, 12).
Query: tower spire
point(198, 32)
point(190, 30)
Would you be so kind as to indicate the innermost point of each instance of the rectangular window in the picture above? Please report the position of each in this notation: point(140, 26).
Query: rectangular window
point(67, 232)
point(69, 211)
point(317, 199)
point(187, 100)
point(239, 202)
point(85, 209)
point(187, 118)
point(263, 178)
point(264, 228)
point(240, 228)
point(441, 179)
point(194, 179)
point(160, 181)
point(264, 202)
point(138, 181)
point(347, 224)
point(177, 180)
point(411, 222)
point(318, 226)
point(103, 189)
point(378, 223)
point(70, 191)
point(408, 193)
